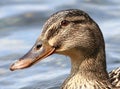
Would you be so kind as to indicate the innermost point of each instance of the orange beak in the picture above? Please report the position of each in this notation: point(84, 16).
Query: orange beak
point(32, 57)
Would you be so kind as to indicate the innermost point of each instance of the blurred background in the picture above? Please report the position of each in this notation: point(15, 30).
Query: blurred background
point(21, 22)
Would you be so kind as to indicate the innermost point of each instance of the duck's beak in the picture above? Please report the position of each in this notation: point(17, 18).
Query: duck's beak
point(33, 56)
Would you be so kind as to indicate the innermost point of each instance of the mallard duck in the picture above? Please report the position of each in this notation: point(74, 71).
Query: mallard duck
point(75, 34)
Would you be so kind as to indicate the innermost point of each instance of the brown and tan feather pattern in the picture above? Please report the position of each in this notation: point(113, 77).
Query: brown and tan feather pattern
point(115, 77)
point(75, 34)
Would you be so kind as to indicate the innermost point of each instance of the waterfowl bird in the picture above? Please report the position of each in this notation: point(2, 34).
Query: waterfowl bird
point(75, 34)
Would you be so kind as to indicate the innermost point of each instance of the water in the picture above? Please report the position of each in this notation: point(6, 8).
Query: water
point(21, 23)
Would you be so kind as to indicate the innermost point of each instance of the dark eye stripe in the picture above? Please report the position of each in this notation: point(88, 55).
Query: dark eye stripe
point(52, 32)
point(79, 21)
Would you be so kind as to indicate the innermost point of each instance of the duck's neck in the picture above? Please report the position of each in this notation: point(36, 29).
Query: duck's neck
point(94, 65)
point(87, 69)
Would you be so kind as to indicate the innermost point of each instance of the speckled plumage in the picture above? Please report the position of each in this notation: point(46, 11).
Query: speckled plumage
point(114, 76)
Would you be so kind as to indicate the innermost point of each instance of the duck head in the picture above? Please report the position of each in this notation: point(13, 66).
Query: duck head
point(68, 32)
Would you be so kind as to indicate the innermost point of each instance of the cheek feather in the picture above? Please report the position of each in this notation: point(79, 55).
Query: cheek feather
point(52, 41)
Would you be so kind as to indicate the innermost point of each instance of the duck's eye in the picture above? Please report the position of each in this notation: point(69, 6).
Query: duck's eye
point(64, 23)
point(38, 46)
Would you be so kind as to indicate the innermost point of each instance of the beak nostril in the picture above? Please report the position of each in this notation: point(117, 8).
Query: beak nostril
point(38, 46)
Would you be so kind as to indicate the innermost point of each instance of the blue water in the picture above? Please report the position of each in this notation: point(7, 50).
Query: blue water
point(21, 23)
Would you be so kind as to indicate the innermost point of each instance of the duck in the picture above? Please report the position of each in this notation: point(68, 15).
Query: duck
point(75, 34)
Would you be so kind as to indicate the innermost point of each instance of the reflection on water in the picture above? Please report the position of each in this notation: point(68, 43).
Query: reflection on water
point(21, 23)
